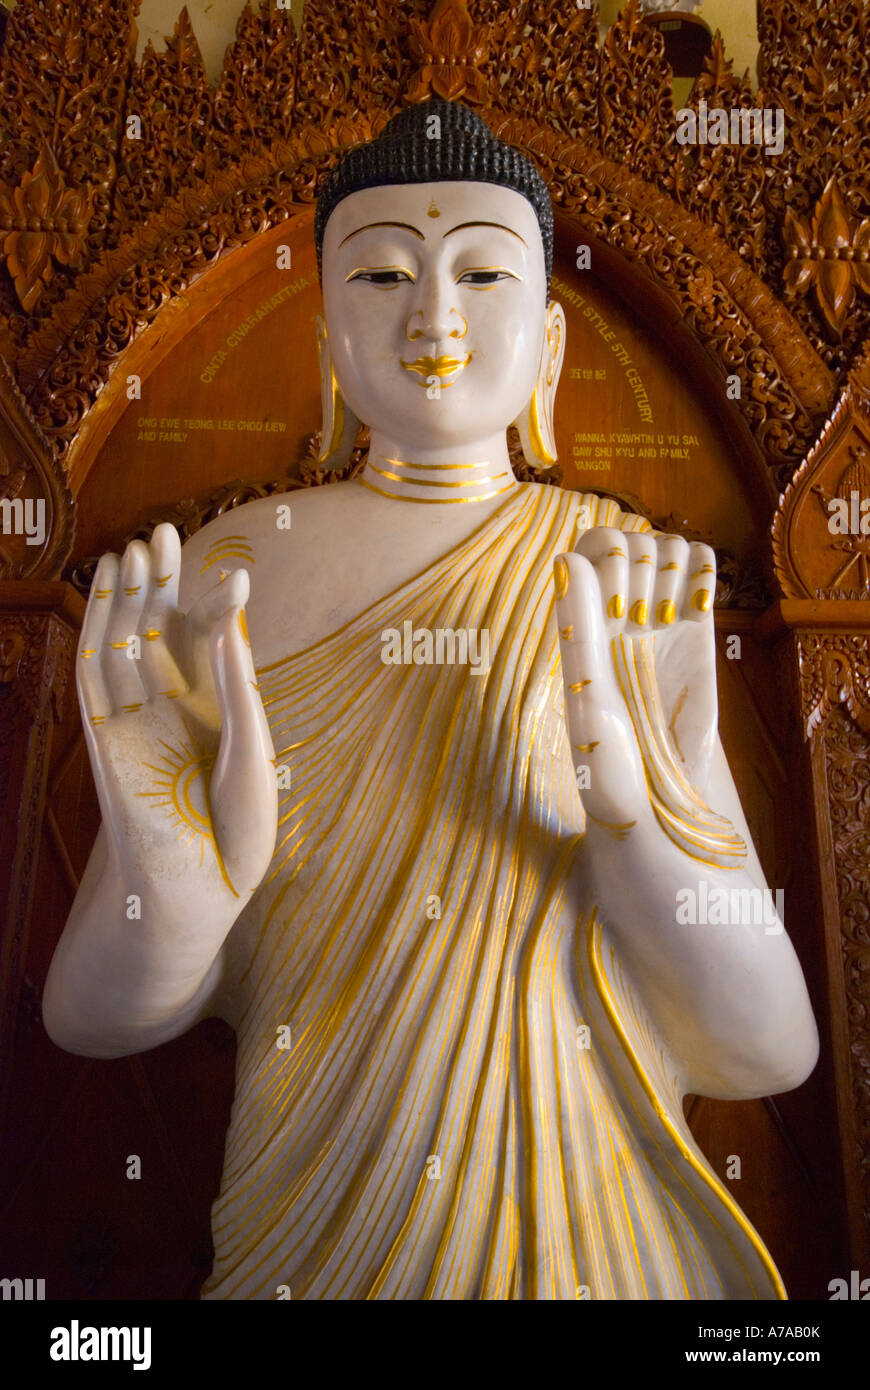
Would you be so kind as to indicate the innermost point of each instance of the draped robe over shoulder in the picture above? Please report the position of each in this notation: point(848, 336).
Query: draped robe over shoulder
point(467, 1099)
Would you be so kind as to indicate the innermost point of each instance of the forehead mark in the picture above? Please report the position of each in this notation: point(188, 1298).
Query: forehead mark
point(407, 226)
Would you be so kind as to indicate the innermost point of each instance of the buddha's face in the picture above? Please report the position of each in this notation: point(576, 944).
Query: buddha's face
point(435, 306)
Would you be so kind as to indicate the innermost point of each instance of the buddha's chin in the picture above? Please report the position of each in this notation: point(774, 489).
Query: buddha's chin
point(429, 431)
point(448, 420)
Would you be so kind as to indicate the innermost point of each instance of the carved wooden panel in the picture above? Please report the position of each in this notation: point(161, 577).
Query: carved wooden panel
point(821, 535)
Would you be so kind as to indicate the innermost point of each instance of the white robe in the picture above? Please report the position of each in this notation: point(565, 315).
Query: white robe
point(473, 1103)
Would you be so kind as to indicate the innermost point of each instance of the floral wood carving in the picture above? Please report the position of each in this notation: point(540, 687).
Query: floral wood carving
point(847, 770)
point(814, 64)
point(554, 80)
point(41, 221)
point(257, 90)
point(813, 556)
point(64, 72)
point(33, 482)
point(166, 141)
point(637, 121)
point(724, 184)
point(450, 49)
point(215, 167)
point(829, 254)
point(834, 671)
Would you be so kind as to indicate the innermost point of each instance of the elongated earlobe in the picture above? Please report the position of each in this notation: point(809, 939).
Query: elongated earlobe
point(535, 423)
point(340, 425)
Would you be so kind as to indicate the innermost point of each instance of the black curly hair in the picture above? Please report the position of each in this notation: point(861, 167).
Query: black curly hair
point(465, 149)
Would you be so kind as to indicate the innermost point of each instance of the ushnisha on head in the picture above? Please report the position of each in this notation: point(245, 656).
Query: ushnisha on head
point(435, 248)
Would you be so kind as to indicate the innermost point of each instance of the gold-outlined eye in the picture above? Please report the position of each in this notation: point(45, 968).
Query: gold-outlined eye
point(386, 277)
point(486, 276)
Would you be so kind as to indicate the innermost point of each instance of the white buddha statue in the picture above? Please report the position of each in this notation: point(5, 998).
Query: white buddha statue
point(423, 838)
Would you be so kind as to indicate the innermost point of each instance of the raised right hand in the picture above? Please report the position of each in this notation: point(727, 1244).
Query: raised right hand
point(178, 741)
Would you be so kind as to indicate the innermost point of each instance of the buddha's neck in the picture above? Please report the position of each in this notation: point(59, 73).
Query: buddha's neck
point(443, 475)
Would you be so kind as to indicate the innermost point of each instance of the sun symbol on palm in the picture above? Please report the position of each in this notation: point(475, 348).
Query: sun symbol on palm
point(182, 789)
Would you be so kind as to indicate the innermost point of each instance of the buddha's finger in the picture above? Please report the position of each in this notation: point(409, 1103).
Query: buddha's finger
point(161, 643)
point(226, 594)
point(93, 693)
point(701, 583)
point(581, 640)
point(642, 560)
point(243, 790)
point(165, 565)
point(120, 666)
point(607, 549)
point(673, 563)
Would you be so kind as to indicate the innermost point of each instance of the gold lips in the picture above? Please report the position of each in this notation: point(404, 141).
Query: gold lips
point(436, 366)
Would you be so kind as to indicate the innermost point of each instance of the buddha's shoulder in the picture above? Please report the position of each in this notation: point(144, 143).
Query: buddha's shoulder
point(265, 520)
point(269, 530)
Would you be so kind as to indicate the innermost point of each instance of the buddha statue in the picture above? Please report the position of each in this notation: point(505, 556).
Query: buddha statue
point(414, 799)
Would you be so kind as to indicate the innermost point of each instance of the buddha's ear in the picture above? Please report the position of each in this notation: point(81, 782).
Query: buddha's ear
point(535, 423)
point(340, 426)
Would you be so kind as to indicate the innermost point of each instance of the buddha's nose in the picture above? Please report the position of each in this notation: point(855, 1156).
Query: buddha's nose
point(433, 318)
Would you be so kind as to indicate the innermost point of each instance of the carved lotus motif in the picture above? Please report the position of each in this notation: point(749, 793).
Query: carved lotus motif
point(41, 221)
point(451, 53)
point(829, 254)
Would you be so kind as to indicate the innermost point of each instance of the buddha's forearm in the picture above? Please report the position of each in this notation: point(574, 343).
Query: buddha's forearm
point(130, 971)
point(721, 977)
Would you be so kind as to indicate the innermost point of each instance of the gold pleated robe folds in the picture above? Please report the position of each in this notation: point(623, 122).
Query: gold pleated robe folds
point(470, 1101)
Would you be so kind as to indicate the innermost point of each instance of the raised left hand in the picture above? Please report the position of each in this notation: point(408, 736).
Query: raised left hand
point(639, 602)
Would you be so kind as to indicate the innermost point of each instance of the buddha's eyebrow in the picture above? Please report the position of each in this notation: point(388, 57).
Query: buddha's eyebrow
point(406, 225)
point(500, 225)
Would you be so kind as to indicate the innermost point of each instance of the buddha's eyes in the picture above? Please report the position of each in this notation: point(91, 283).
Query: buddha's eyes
point(479, 278)
point(486, 276)
point(389, 277)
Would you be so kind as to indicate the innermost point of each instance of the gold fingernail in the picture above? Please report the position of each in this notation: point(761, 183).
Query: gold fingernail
point(578, 686)
point(644, 560)
point(671, 565)
point(616, 606)
point(701, 601)
point(666, 612)
point(561, 575)
point(705, 569)
point(621, 553)
point(87, 653)
point(243, 626)
point(132, 591)
point(587, 747)
point(639, 612)
point(162, 579)
point(102, 593)
point(567, 632)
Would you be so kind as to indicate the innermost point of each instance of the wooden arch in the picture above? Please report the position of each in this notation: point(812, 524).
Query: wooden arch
point(728, 318)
